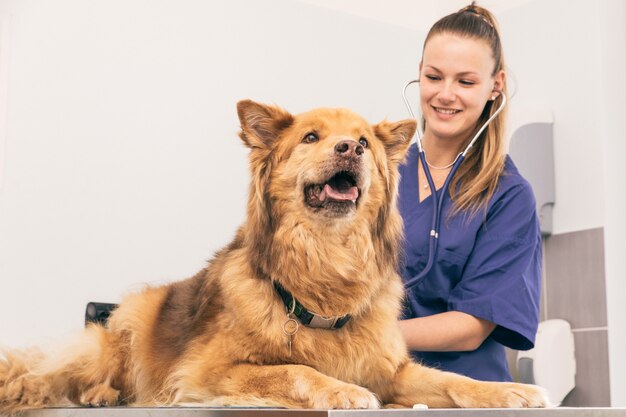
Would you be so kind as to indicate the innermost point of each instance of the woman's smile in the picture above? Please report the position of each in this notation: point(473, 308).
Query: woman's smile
point(445, 113)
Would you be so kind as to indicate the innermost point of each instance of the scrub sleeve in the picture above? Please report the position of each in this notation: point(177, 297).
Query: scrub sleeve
point(488, 265)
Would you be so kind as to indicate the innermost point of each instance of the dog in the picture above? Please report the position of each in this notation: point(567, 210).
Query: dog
point(300, 310)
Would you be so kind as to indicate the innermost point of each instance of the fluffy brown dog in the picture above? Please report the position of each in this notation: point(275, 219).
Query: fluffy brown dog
point(320, 246)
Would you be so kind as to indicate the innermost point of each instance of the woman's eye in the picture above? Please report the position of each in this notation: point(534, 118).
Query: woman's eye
point(432, 77)
point(364, 143)
point(467, 82)
point(310, 137)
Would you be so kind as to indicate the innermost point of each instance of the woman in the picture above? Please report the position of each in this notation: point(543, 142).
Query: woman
point(482, 292)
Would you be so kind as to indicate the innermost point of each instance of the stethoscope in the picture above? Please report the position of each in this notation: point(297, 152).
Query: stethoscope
point(438, 199)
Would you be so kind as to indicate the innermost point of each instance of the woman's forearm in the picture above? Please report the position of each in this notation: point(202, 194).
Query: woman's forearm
point(445, 332)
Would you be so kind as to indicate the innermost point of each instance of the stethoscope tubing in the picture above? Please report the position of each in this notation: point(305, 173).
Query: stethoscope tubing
point(438, 199)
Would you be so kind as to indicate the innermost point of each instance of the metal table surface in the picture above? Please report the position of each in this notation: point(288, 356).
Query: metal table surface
point(272, 412)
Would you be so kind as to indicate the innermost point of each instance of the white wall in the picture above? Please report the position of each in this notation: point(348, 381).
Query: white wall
point(4, 61)
point(123, 164)
point(551, 47)
point(613, 119)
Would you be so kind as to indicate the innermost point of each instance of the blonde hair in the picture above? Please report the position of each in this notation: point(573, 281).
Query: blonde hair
point(476, 180)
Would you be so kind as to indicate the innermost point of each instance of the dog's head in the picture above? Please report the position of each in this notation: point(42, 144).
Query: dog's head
point(323, 162)
point(325, 167)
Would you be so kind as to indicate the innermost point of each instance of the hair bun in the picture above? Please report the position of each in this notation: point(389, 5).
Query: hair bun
point(480, 12)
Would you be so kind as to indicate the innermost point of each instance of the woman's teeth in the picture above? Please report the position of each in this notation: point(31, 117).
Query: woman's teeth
point(446, 111)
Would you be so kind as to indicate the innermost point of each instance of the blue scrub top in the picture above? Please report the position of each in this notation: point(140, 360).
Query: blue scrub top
point(487, 266)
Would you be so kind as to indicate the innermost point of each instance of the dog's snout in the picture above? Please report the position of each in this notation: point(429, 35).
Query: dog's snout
point(348, 148)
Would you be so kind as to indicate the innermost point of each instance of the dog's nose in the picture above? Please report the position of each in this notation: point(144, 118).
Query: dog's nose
point(349, 147)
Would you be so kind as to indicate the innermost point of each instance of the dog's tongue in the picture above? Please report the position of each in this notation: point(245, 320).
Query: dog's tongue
point(347, 194)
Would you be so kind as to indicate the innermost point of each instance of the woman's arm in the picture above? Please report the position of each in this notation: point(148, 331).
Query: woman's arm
point(451, 331)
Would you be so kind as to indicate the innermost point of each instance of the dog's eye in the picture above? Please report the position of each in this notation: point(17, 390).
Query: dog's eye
point(310, 137)
point(363, 142)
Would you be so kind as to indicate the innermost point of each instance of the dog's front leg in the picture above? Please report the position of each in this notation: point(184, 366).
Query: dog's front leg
point(416, 384)
point(294, 386)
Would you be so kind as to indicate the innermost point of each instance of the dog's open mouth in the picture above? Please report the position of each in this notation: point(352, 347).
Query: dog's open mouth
point(339, 192)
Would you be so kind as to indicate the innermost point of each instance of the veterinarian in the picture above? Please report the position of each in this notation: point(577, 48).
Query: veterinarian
point(482, 292)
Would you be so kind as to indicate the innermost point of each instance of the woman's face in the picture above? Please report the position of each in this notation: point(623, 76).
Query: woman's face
point(455, 85)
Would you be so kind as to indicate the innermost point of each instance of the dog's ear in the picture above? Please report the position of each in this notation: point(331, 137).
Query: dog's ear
point(261, 124)
point(396, 136)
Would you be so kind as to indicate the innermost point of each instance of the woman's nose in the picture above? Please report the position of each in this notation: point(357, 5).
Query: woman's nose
point(446, 94)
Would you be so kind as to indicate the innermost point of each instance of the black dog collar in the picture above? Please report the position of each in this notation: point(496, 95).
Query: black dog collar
point(306, 317)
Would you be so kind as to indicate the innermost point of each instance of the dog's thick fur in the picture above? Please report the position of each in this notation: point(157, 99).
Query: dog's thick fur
point(217, 338)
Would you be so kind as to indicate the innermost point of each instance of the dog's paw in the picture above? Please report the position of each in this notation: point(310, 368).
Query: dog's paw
point(525, 396)
point(500, 395)
point(101, 395)
point(344, 396)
